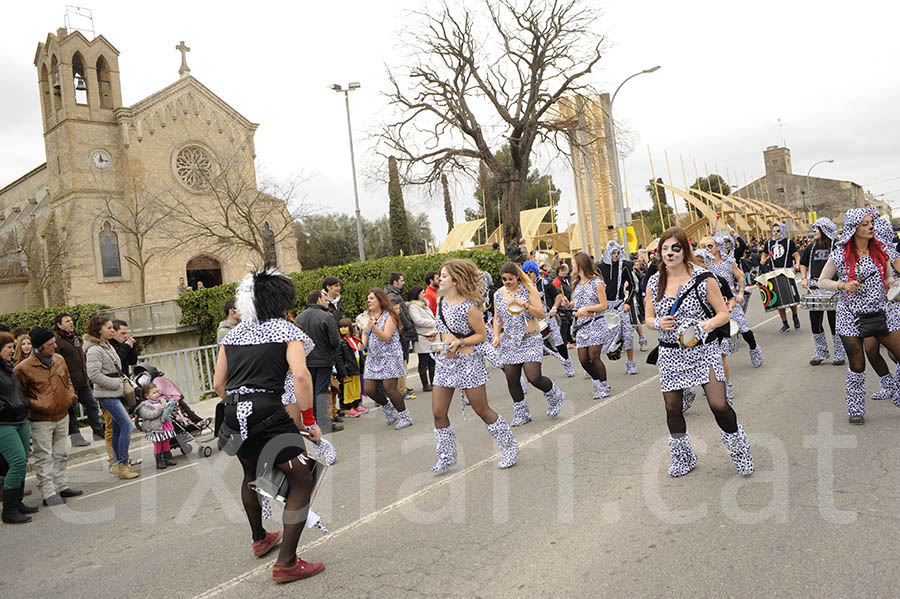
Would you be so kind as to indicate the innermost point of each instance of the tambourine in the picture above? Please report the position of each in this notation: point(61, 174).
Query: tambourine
point(362, 320)
point(613, 320)
point(437, 347)
point(688, 336)
point(515, 309)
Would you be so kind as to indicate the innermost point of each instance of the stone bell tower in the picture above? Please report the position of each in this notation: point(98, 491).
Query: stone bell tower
point(79, 89)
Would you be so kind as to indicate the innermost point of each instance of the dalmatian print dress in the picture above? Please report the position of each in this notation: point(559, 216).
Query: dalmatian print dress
point(725, 270)
point(595, 332)
point(871, 296)
point(555, 334)
point(385, 358)
point(517, 347)
point(466, 371)
point(682, 367)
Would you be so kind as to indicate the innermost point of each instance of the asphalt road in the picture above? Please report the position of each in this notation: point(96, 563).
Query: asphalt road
point(587, 511)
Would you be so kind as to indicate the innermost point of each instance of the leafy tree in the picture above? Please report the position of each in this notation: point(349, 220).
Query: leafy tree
point(651, 215)
point(398, 225)
point(448, 208)
point(714, 184)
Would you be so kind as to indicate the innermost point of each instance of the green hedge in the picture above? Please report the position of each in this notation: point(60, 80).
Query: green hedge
point(205, 308)
point(44, 317)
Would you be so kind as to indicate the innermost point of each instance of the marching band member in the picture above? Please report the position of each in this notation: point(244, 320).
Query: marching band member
point(884, 233)
point(862, 265)
point(518, 309)
point(813, 260)
point(385, 359)
point(619, 278)
point(590, 330)
point(461, 326)
point(552, 299)
point(781, 252)
point(677, 303)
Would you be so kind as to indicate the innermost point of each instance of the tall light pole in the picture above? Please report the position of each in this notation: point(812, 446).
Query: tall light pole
point(620, 207)
point(359, 232)
point(809, 197)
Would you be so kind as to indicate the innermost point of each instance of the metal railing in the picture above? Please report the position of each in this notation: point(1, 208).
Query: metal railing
point(152, 318)
point(190, 369)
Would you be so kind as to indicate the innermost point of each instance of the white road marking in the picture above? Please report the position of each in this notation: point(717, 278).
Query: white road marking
point(228, 584)
point(139, 480)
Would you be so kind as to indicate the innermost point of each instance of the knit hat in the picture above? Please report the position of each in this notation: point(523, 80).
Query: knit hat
point(39, 336)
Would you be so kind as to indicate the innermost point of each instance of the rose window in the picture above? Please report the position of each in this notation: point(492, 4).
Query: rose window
point(193, 167)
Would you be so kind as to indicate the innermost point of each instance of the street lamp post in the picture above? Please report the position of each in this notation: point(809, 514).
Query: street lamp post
point(620, 207)
point(359, 232)
point(808, 196)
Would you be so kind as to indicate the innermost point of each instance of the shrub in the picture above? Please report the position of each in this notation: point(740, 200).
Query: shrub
point(205, 308)
point(44, 317)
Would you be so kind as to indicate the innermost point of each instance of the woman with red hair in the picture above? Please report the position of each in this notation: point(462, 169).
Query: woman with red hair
point(863, 268)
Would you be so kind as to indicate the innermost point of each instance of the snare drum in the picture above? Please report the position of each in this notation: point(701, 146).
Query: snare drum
point(778, 289)
point(893, 294)
point(613, 320)
point(820, 300)
point(544, 327)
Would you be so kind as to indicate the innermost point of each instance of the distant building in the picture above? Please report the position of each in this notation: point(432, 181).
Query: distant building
point(799, 193)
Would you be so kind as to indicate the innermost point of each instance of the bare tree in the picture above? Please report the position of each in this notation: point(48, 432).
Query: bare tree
point(477, 84)
point(139, 210)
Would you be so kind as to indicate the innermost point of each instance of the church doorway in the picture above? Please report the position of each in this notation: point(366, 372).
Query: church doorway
point(203, 269)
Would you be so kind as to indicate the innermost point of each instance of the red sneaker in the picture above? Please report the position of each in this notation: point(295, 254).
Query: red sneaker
point(298, 571)
point(262, 547)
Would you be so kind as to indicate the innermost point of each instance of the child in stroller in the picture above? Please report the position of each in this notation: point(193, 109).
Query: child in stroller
point(187, 423)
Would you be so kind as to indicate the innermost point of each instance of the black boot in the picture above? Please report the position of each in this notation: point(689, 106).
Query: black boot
point(168, 459)
point(423, 376)
point(11, 514)
point(24, 509)
point(160, 461)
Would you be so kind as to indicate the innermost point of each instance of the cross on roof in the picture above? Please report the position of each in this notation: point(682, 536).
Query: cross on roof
point(184, 70)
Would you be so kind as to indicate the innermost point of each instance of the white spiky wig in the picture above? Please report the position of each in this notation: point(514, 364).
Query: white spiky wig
point(264, 294)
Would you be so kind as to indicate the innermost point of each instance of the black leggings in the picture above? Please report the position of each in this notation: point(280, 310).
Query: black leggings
point(856, 354)
point(591, 359)
point(562, 350)
point(815, 321)
point(532, 373)
point(715, 395)
point(750, 339)
point(426, 366)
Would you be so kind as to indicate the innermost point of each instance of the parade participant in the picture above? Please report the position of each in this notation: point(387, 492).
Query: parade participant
point(781, 252)
point(814, 257)
point(862, 265)
point(384, 361)
point(680, 301)
point(252, 363)
point(518, 309)
point(736, 248)
point(561, 282)
point(461, 327)
point(889, 387)
point(552, 300)
point(591, 332)
point(617, 274)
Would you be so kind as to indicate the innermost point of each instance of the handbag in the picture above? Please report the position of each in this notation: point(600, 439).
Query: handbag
point(127, 390)
point(872, 324)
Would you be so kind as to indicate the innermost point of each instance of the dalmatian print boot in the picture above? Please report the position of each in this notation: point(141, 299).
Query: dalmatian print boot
point(506, 441)
point(445, 447)
point(840, 355)
point(569, 367)
point(738, 446)
point(642, 341)
point(887, 390)
point(687, 399)
point(683, 457)
point(856, 396)
point(821, 344)
point(403, 420)
point(756, 356)
point(601, 389)
point(390, 412)
point(326, 451)
point(555, 398)
point(523, 414)
point(630, 367)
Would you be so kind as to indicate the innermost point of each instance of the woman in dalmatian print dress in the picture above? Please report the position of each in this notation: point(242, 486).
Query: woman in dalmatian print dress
point(251, 367)
point(460, 326)
point(552, 299)
point(521, 345)
point(384, 361)
point(863, 268)
point(884, 233)
point(592, 335)
point(673, 307)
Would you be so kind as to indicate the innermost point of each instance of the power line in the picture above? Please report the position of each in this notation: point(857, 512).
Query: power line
point(882, 181)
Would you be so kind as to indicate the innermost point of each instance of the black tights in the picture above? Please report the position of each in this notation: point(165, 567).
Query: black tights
point(856, 355)
point(592, 362)
point(381, 397)
point(715, 395)
point(750, 339)
point(562, 350)
point(815, 321)
point(296, 507)
point(532, 373)
point(873, 354)
point(426, 367)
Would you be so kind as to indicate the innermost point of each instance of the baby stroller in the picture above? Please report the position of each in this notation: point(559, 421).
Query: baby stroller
point(189, 427)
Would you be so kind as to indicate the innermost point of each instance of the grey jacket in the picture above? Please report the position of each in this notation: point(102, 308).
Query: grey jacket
point(224, 328)
point(152, 415)
point(103, 365)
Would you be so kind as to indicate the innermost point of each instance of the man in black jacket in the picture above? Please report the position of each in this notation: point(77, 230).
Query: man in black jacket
point(318, 323)
point(332, 288)
point(124, 344)
point(68, 345)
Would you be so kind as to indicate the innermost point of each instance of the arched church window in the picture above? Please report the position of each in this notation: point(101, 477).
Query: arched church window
point(194, 167)
point(104, 84)
point(109, 252)
point(79, 81)
point(46, 101)
point(268, 238)
point(55, 83)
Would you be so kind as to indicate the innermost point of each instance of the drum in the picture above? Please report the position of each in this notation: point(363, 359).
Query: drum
point(820, 300)
point(778, 289)
point(544, 327)
point(613, 320)
point(515, 309)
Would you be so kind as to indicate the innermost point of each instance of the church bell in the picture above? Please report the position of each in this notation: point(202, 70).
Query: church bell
point(79, 84)
point(56, 80)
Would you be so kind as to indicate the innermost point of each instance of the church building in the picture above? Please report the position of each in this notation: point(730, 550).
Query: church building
point(133, 198)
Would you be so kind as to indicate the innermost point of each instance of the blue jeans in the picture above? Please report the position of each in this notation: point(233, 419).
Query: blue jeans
point(121, 428)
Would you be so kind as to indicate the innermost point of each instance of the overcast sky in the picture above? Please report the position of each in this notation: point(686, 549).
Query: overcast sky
point(829, 70)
